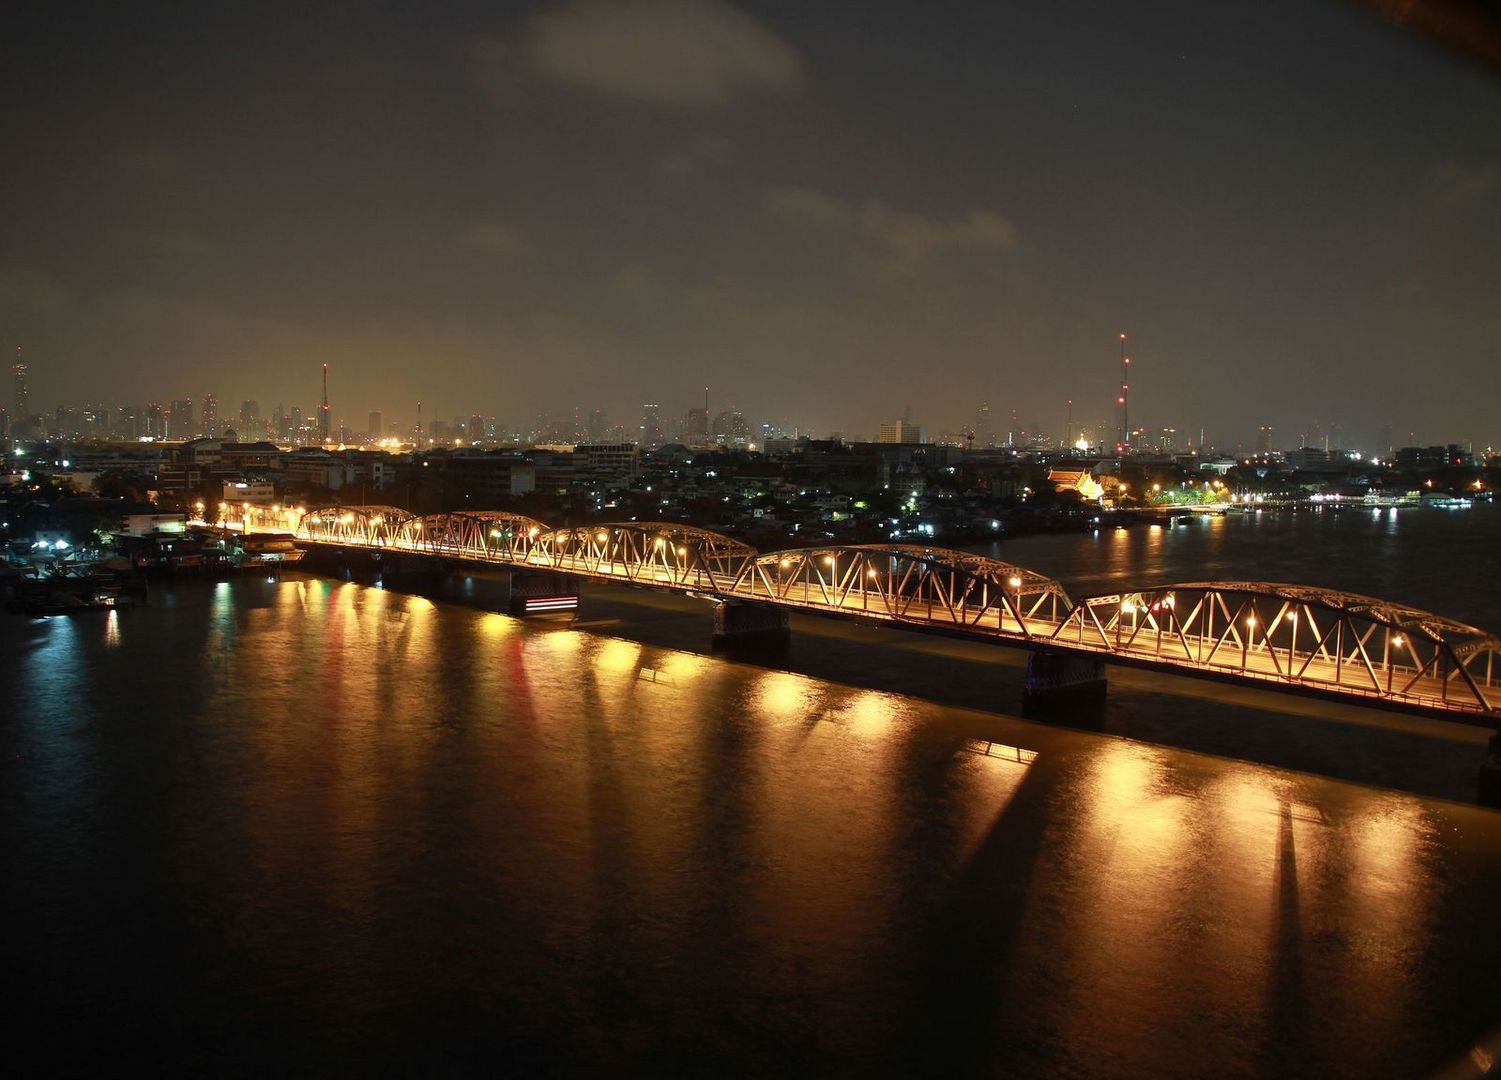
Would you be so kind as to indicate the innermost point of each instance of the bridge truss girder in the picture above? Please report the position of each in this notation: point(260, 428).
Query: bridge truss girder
point(369, 526)
point(908, 583)
point(645, 553)
point(487, 535)
point(1298, 635)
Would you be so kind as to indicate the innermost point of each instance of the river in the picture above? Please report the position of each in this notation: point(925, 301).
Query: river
point(309, 826)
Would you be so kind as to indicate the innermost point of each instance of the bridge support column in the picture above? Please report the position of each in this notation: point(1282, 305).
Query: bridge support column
point(1489, 793)
point(739, 622)
point(537, 592)
point(1063, 685)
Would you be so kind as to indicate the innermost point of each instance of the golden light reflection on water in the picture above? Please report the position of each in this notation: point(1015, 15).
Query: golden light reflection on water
point(780, 695)
point(617, 655)
point(112, 628)
point(562, 642)
point(684, 667)
point(496, 626)
point(871, 714)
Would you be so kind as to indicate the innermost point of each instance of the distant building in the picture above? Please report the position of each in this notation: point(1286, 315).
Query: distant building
point(375, 429)
point(1431, 457)
point(20, 398)
point(651, 426)
point(250, 420)
point(256, 492)
point(899, 431)
point(603, 460)
point(179, 423)
point(1263, 441)
point(210, 425)
point(731, 430)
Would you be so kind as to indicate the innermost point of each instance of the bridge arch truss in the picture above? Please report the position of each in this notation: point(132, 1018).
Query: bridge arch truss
point(645, 552)
point(368, 526)
point(909, 583)
point(1300, 635)
point(488, 535)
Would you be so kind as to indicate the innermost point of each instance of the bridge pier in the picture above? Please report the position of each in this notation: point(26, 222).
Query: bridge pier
point(1489, 790)
point(1063, 685)
point(738, 622)
point(537, 592)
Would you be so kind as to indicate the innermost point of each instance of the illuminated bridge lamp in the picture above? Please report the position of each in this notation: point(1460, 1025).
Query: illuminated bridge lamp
point(1015, 582)
point(682, 551)
point(601, 537)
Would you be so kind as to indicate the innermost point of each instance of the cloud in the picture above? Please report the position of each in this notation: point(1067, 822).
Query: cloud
point(900, 240)
point(1453, 184)
point(494, 238)
point(701, 154)
point(178, 244)
point(677, 53)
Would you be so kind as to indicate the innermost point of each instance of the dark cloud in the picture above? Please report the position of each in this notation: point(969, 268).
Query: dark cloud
point(675, 53)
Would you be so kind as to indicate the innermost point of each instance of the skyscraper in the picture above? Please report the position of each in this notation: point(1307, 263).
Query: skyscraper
point(651, 425)
point(323, 413)
point(210, 424)
point(20, 399)
point(250, 420)
point(375, 429)
point(180, 419)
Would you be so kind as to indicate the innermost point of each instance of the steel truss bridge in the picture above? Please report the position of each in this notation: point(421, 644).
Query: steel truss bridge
point(1283, 636)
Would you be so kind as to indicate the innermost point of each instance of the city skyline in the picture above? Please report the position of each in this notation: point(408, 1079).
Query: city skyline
point(969, 205)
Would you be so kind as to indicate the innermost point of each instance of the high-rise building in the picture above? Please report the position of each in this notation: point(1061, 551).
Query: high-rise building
point(20, 399)
point(598, 425)
point(476, 428)
point(324, 417)
point(154, 423)
point(375, 429)
point(210, 424)
point(730, 429)
point(984, 426)
point(179, 419)
point(651, 426)
point(696, 427)
point(1263, 440)
point(250, 420)
point(294, 425)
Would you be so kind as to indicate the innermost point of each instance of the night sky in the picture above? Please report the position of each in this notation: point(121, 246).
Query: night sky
point(828, 212)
